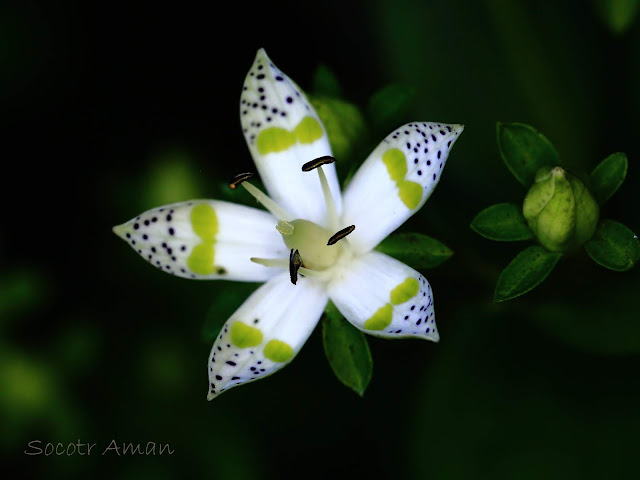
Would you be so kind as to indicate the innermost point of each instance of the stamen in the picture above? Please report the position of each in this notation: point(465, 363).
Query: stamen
point(275, 209)
point(270, 262)
point(332, 216)
point(341, 234)
point(318, 162)
point(294, 265)
point(238, 179)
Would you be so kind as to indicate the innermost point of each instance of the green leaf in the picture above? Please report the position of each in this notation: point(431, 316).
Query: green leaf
point(607, 177)
point(387, 106)
point(503, 222)
point(614, 246)
point(525, 272)
point(415, 249)
point(229, 297)
point(617, 15)
point(525, 150)
point(325, 82)
point(347, 350)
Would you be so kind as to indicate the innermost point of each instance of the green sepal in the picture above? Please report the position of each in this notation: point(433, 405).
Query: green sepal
point(415, 249)
point(607, 177)
point(388, 105)
point(614, 246)
point(524, 150)
point(503, 222)
point(228, 299)
point(325, 82)
point(347, 351)
point(525, 272)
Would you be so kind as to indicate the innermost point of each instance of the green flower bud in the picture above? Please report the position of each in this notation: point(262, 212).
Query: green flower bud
point(560, 210)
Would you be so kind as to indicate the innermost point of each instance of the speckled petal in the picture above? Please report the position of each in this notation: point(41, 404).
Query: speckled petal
point(284, 132)
point(206, 239)
point(384, 297)
point(265, 333)
point(396, 180)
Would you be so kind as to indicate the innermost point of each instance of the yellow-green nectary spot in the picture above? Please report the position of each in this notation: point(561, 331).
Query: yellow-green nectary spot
point(405, 291)
point(381, 319)
point(278, 351)
point(277, 139)
point(201, 259)
point(308, 130)
point(204, 222)
point(409, 192)
point(396, 164)
point(244, 336)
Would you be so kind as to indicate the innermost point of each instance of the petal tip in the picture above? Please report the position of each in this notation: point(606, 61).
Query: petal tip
point(210, 396)
point(261, 54)
point(120, 230)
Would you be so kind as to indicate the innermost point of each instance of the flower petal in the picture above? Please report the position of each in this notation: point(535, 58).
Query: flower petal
point(385, 298)
point(396, 180)
point(284, 132)
point(265, 333)
point(206, 239)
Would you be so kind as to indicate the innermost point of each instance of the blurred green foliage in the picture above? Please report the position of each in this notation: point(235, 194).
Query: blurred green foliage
point(108, 113)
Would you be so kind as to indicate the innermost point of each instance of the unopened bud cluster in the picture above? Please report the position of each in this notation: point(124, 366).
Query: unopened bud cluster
point(560, 210)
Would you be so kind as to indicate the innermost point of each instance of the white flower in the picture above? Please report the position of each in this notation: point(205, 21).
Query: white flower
point(287, 247)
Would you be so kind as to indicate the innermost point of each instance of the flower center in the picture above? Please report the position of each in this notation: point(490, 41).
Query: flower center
point(313, 248)
point(311, 241)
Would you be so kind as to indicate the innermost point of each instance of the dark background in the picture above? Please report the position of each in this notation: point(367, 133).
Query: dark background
point(110, 110)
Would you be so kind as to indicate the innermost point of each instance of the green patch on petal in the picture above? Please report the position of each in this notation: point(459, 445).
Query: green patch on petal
point(204, 222)
point(308, 130)
point(396, 164)
point(243, 336)
point(410, 193)
point(275, 139)
point(381, 319)
point(405, 291)
point(201, 259)
point(278, 351)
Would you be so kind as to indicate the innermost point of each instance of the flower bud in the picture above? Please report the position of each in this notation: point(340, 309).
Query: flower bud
point(560, 210)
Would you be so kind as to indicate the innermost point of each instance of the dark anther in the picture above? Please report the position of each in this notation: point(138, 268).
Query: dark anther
point(341, 234)
point(238, 179)
point(294, 265)
point(318, 162)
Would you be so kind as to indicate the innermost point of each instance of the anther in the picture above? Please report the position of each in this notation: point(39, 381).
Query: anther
point(295, 262)
point(238, 179)
point(341, 234)
point(318, 162)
